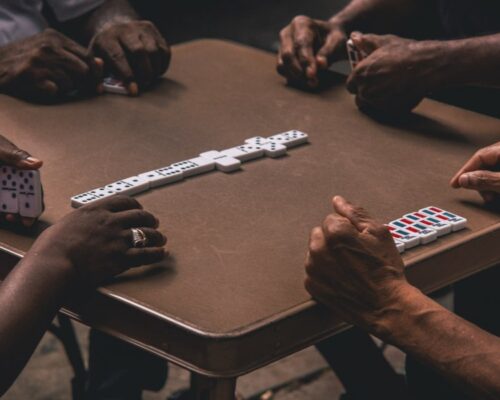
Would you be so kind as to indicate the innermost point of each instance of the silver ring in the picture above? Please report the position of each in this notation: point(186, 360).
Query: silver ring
point(139, 238)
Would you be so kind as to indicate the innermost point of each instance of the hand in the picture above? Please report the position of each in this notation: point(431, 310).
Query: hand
point(481, 173)
point(134, 51)
point(13, 156)
point(395, 76)
point(46, 66)
point(95, 241)
point(308, 45)
point(354, 267)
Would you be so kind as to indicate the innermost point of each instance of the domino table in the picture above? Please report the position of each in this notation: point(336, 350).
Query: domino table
point(230, 299)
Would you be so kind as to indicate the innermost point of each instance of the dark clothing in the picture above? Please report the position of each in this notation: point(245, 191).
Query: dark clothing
point(120, 371)
point(462, 18)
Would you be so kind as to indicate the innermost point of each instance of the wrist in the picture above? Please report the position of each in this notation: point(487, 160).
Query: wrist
point(404, 303)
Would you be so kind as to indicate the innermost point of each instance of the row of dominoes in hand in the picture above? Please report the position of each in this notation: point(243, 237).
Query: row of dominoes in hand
point(354, 54)
point(228, 160)
point(20, 192)
point(424, 226)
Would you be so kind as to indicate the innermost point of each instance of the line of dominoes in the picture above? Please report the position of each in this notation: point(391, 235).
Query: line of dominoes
point(20, 192)
point(228, 160)
point(424, 226)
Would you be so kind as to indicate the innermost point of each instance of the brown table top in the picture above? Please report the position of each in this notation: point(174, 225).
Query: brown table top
point(238, 240)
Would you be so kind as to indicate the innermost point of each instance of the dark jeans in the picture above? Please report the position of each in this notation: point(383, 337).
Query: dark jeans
point(477, 299)
point(120, 371)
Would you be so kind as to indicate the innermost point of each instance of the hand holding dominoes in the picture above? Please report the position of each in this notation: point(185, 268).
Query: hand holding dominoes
point(227, 160)
point(395, 73)
point(20, 186)
point(308, 46)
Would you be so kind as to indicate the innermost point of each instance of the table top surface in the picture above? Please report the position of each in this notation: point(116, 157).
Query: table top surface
point(238, 241)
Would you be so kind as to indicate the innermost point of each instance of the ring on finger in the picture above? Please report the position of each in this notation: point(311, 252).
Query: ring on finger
point(139, 238)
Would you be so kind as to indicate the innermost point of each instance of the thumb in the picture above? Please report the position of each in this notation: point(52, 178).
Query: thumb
point(15, 157)
point(368, 43)
point(484, 181)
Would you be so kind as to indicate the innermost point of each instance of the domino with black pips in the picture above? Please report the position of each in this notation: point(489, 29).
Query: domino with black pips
point(163, 176)
point(30, 193)
point(245, 152)
point(290, 139)
point(271, 149)
point(8, 190)
point(195, 166)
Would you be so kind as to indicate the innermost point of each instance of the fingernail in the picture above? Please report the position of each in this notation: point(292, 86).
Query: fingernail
point(32, 160)
point(133, 89)
point(321, 60)
point(356, 35)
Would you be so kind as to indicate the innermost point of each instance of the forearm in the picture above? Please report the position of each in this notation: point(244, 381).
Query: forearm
point(472, 61)
point(30, 297)
point(462, 353)
point(109, 13)
point(381, 16)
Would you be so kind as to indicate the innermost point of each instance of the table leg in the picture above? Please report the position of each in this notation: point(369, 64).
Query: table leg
point(204, 388)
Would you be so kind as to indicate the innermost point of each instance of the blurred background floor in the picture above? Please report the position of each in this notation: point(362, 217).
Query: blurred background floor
point(48, 375)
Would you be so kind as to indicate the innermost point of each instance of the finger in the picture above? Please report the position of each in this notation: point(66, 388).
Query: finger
point(291, 65)
point(338, 231)
point(164, 51)
point(138, 58)
point(319, 291)
point(47, 87)
point(352, 83)
point(358, 216)
point(115, 56)
point(328, 53)
point(118, 204)
point(489, 197)
point(63, 81)
point(368, 43)
point(145, 256)
point(136, 219)
point(483, 159)
point(154, 238)
point(94, 65)
point(484, 181)
point(303, 38)
point(12, 155)
point(150, 45)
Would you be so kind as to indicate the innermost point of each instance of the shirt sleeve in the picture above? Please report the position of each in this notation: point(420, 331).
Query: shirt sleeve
point(66, 10)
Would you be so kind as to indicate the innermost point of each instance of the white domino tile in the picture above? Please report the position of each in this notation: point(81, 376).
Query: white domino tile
point(195, 166)
point(290, 139)
point(227, 160)
point(139, 184)
point(8, 190)
point(222, 161)
point(245, 152)
point(163, 176)
point(30, 194)
point(274, 150)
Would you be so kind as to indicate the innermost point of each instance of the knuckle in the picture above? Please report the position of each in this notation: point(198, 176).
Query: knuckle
point(301, 20)
point(380, 231)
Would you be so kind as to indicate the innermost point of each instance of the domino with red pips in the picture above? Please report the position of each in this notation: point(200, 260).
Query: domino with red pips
point(409, 239)
point(457, 222)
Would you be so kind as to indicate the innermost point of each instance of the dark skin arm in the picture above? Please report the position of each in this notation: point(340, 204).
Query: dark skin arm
point(132, 49)
point(353, 267)
point(309, 45)
point(46, 67)
point(399, 73)
point(84, 249)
